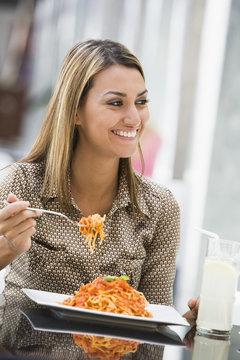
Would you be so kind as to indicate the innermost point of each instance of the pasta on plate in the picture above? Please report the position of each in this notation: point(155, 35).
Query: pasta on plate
point(110, 294)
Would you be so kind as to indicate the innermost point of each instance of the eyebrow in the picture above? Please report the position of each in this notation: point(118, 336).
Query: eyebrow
point(123, 94)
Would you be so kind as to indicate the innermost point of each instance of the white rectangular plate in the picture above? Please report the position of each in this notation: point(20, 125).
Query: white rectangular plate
point(161, 314)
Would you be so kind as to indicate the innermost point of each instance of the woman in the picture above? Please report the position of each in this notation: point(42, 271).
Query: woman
point(80, 165)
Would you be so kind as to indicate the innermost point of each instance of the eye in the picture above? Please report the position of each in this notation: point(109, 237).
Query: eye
point(142, 102)
point(115, 103)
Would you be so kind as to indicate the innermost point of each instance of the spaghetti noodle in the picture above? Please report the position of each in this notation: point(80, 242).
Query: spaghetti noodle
point(93, 226)
point(104, 347)
point(111, 294)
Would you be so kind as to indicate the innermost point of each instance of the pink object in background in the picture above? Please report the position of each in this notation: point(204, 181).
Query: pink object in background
point(150, 143)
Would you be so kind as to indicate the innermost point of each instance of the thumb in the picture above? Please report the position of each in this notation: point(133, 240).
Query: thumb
point(192, 303)
point(12, 198)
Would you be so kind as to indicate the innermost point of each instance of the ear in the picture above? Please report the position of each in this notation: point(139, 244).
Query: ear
point(78, 117)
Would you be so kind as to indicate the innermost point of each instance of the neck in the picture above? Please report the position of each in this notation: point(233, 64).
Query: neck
point(94, 183)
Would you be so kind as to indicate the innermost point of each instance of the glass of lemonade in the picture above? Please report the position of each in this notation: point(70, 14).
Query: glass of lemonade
point(218, 288)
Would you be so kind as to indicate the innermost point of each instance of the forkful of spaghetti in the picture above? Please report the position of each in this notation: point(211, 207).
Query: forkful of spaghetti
point(91, 227)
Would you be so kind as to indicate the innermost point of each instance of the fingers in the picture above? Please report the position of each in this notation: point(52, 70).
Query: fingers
point(13, 209)
point(12, 198)
point(7, 224)
point(23, 242)
point(19, 228)
point(17, 224)
point(190, 317)
point(193, 305)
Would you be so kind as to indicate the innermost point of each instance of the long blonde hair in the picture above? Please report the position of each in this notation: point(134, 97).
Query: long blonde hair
point(58, 137)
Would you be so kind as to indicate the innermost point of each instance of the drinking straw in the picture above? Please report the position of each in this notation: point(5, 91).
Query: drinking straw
point(216, 249)
point(209, 233)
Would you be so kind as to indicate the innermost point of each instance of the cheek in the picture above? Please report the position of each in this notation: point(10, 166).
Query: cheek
point(145, 118)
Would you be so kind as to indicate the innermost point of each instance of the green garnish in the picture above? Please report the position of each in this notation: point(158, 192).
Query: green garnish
point(110, 278)
point(124, 277)
point(113, 278)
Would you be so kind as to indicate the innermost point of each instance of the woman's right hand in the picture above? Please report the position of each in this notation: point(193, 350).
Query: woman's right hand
point(17, 225)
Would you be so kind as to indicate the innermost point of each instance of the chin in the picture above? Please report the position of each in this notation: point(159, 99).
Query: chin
point(127, 154)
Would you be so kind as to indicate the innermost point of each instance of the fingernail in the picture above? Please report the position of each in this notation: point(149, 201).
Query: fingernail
point(26, 203)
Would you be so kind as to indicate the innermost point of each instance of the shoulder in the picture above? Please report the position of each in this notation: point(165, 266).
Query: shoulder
point(22, 175)
point(153, 189)
point(11, 172)
point(30, 169)
point(157, 197)
point(24, 170)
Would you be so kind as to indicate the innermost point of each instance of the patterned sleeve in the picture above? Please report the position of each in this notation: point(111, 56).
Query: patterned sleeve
point(160, 264)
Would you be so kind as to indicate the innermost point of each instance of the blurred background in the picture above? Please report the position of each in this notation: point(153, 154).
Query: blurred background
point(190, 51)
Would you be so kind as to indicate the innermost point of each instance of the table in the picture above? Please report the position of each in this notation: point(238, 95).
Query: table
point(31, 331)
point(209, 348)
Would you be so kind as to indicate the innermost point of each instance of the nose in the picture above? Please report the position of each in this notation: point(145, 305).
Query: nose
point(132, 117)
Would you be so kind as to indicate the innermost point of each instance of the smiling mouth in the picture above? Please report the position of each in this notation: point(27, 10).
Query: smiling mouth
point(127, 134)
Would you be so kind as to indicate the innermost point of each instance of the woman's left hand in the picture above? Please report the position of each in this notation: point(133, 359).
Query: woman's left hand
point(191, 315)
point(193, 305)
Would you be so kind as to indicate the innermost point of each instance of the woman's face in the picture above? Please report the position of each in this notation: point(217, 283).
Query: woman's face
point(114, 113)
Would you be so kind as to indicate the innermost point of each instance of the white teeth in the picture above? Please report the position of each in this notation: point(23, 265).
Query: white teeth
point(130, 134)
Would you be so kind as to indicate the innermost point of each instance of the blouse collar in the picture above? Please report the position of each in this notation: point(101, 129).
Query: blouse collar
point(122, 198)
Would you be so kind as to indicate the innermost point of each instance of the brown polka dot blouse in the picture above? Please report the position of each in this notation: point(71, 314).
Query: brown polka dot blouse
point(61, 261)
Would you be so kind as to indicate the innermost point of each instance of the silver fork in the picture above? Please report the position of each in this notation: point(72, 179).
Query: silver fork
point(49, 212)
